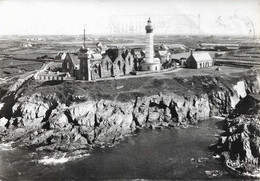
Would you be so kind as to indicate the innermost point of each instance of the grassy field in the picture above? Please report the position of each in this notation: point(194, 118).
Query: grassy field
point(183, 82)
point(11, 67)
point(242, 58)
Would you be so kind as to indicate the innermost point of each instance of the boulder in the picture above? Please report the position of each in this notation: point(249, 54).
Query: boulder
point(3, 122)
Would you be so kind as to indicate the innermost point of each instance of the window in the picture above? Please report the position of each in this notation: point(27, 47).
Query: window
point(129, 60)
point(68, 65)
point(119, 65)
point(156, 68)
point(107, 65)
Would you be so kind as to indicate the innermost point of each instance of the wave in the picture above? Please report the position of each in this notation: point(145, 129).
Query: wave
point(7, 146)
point(60, 158)
point(53, 161)
point(218, 117)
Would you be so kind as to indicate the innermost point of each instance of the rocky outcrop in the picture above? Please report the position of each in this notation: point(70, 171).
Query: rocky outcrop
point(222, 102)
point(105, 122)
point(240, 143)
point(45, 122)
point(171, 110)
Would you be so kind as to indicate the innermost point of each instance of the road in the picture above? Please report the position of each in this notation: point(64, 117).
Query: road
point(136, 76)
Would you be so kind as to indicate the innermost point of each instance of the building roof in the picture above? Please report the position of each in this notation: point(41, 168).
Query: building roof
point(63, 56)
point(163, 52)
point(50, 73)
point(96, 56)
point(163, 47)
point(99, 44)
point(178, 56)
point(138, 52)
point(113, 53)
point(202, 56)
point(74, 59)
point(125, 53)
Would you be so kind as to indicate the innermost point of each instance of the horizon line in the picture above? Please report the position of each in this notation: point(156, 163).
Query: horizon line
point(128, 35)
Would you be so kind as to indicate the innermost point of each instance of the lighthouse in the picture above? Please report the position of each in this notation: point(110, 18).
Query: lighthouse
point(85, 65)
point(150, 64)
point(149, 42)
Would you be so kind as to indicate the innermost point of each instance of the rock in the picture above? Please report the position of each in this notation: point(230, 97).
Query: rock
point(62, 122)
point(222, 140)
point(16, 134)
point(59, 121)
point(241, 142)
point(214, 173)
point(167, 115)
point(3, 122)
point(114, 120)
point(85, 109)
point(41, 138)
point(239, 92)
point(36, 122)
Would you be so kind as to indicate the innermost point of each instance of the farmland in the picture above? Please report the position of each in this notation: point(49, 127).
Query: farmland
point(241, 58)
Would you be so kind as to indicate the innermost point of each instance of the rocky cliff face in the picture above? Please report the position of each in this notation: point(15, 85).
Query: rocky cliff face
point(45, 122)
point(240, 143)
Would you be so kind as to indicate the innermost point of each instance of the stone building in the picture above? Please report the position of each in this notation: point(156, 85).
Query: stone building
point(138, 55)
point(71, 64)
point(199, 60)
point(163, 55)
point(116, 62)
point(85, 64)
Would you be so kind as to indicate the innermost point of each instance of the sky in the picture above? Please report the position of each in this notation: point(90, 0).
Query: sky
point(102, 17)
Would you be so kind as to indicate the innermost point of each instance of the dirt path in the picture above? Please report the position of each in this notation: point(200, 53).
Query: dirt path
point(137, 76)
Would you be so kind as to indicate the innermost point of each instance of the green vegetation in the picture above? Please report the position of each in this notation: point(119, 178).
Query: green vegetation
point(128, 89)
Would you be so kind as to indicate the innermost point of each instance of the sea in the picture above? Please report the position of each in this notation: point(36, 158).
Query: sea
point(147, 154)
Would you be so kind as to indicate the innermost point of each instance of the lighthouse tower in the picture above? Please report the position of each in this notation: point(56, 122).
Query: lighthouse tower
point(149, 63)
point(149, 42)
point(84, 57)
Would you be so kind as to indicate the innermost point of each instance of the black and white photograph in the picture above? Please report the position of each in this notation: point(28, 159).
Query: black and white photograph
point(129, 90)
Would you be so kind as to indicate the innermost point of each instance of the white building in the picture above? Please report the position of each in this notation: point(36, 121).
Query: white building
point(149, 63)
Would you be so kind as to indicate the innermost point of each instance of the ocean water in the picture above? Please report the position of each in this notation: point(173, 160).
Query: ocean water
point(149, 154)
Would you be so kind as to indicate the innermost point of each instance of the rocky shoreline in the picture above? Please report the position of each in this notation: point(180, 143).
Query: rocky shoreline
point(239, 145)
point(44, 122)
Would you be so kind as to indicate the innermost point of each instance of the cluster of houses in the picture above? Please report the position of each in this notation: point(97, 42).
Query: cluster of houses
point(102, 62)
point(113, 62)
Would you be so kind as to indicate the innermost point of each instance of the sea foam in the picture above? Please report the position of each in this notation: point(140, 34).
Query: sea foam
point(6, 146)
point(60, 158)
point(53, 161)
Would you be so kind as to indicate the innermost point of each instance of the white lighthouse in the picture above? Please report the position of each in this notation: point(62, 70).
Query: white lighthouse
point(149, 63)
point(149, 42)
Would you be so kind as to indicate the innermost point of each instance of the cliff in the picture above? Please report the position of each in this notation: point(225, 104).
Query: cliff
point(68, 116)
point(239, 145)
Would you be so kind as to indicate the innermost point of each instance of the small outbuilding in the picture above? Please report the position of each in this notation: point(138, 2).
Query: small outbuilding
point(199, 60)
